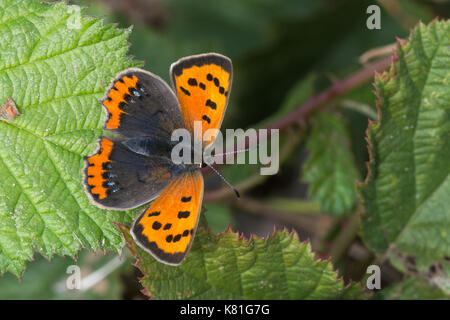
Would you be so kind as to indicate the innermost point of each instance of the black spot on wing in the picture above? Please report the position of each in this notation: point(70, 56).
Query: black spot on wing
point(206, 118)
point(186, 92)
point(153, 214)
point(211, 104)
point(156, 225)
point(186, 199)
point(183, 214)
point(174, 258)
point(192, 82)
point(167, 226)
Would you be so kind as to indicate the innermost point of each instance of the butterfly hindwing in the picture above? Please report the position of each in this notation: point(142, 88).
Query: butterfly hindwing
point(167, 227)
point(202, 84)
point(117, 178)
point(140, 103)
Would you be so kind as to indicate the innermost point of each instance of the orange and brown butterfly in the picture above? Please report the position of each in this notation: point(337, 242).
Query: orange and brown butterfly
point(135, 167)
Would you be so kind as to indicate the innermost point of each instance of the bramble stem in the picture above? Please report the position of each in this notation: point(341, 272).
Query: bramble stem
point(314, 104)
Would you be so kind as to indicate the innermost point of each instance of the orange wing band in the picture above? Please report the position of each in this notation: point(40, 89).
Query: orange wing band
point(115, 97)
point(96, 168)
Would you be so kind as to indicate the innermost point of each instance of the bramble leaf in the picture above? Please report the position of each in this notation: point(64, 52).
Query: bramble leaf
point(330, 168)
point(55, 64)
point(407, 191)
point(45, 280)
point(231, 267)
point(218, 217)
point(412, 289)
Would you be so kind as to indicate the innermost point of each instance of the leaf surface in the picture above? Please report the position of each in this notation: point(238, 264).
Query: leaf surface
point(55, 64)
point(330, 168)
point(407, 191)
point(412, 289)
point(231, 267)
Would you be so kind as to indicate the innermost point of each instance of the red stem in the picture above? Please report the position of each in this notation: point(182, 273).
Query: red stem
point(315, 103)
point(337, 89)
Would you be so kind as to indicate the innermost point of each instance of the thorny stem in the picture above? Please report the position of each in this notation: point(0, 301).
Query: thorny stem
point(314, 104)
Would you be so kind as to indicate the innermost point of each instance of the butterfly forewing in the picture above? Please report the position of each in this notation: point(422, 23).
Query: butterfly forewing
point(140, 103)
point(203, 84)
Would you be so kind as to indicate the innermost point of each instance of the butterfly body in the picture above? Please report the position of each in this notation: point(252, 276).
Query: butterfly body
point(136, 167)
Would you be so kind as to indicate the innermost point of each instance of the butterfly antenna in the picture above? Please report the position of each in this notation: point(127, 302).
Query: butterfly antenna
point(232, 152)
point(225, 180)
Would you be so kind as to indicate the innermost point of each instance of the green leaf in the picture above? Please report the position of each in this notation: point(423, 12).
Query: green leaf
point(55, 64)
point(407, 190)
point(412, 289)
point(218, 216)
point(232, 267)
point(330, 168)
point(45, 280)
point(293, 205)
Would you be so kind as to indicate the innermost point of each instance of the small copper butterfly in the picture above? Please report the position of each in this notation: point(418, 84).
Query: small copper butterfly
point(136, 167)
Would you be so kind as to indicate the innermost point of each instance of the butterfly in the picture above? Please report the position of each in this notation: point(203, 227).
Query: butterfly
point(135, 166)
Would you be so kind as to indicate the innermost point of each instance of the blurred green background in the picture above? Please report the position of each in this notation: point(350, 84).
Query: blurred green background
point(282, 52)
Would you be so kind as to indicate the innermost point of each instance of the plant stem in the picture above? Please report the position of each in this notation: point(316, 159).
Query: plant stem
point(314, 104)
point(360, 107)
point(305, 220)
point(226, 192)
point(299, 116)
point(345, 237)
